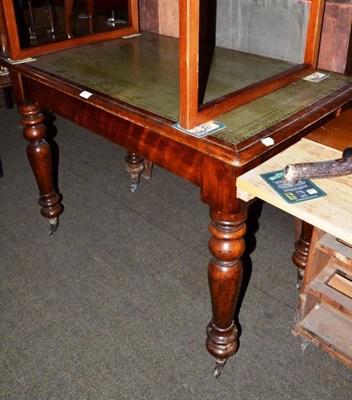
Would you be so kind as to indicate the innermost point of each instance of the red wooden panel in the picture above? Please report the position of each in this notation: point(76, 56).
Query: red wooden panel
point(149, 15)
point(336, 37)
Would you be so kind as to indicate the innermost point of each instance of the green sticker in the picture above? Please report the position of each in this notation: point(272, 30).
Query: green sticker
point(303, 190)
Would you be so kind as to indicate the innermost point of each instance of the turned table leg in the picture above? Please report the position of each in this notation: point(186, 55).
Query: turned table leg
point(227, 245)
point(134, 166)
point(90, 12)
point(39, 156)
point(300, 255)
point(68, 4)
point(148, 169)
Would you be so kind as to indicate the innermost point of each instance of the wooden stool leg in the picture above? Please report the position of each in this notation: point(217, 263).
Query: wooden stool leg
point(300, 255)
point(227, 245)
point(39, 156)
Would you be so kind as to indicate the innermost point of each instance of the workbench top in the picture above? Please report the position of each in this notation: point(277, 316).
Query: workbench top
point(331, 213)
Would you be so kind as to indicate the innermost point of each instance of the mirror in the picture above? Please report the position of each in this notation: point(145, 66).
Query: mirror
point(36, 27)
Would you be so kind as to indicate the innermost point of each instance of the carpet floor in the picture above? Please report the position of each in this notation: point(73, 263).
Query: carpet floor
point(115, 304)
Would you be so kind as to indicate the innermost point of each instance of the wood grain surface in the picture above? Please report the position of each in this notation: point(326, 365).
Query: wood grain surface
point(332, 213)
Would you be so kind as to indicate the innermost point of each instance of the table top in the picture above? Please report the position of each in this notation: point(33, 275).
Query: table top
point(133, 102)
point(143, 71)
point(331, 213)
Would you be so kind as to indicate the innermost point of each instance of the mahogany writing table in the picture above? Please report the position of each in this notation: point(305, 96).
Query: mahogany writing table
point(133, 101)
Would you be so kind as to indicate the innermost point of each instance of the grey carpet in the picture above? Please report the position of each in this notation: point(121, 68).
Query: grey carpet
point(115, 304)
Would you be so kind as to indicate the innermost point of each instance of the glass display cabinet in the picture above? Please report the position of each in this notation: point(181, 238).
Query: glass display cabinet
point(195, 50)
point(43, 26)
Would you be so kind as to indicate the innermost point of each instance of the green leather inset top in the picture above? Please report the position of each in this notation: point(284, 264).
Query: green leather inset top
point(144, 71)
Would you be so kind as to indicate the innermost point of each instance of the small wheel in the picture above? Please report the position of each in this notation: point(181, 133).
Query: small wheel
point(304, 344)
point(54, 223)
point(217, 371)
point(347, 153)
point(300, 276)
point(134, 186)
point(219, 367)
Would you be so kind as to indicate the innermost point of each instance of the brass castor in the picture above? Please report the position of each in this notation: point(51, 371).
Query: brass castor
point(220, 364)
point(54, 223)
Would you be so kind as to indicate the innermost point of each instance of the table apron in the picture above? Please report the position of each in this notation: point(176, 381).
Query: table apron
point(216, 178)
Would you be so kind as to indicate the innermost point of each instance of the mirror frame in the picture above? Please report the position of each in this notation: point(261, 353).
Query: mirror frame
point(15, 51)
point(191, 112)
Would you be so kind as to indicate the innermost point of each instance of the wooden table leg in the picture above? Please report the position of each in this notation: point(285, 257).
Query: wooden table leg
point(227, 245)
point(300, 255)
point(148, 169)
point(134, 166)
point(90, 12)
point(68, 4)
point(39, 156)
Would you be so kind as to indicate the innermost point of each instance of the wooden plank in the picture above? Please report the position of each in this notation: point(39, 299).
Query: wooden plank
point(168, 17)
point(336, 248)
point(336, 37)
point(314, 32)
point(149, 15)
point(320, 288)
point(189, 61)
point(332, 213)
point(342, 283)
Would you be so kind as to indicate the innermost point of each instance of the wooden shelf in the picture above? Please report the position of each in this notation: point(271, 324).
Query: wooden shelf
point(336, 248)
point(329, 329)
point(342, 283)
point(322, 289)
point(324, 312)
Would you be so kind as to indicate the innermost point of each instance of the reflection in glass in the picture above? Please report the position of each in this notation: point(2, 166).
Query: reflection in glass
point(45, 21)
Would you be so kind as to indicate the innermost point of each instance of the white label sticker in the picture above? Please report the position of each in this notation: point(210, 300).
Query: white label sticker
point(311, 191)
point(85, 94)
point(131, 36)
point(202, 130)
point(268, 141)
point(317, 76)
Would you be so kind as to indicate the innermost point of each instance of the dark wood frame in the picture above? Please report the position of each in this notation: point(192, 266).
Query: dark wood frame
point(193, 114)
point(16, 52)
